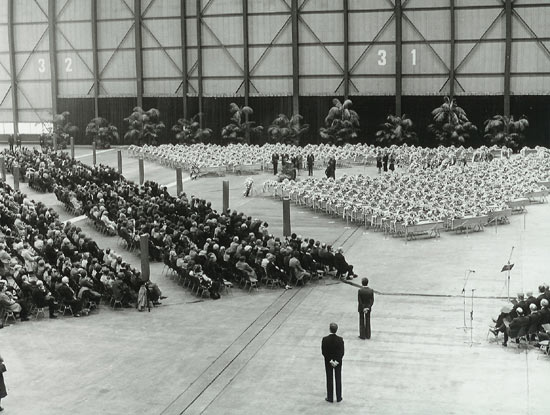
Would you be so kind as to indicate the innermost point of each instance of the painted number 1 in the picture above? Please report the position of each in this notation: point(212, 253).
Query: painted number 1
point(413, 53)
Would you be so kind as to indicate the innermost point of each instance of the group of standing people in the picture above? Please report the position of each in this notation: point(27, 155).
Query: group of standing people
point(332, 346)
point(385, 161)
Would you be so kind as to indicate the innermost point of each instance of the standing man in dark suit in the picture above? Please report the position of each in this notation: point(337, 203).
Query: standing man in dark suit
point(365, 297)
point(275, 162)
point(310, 161)
point(332, 348)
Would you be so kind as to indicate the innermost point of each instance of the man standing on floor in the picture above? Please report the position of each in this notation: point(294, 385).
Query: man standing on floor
point(365, 297)
point(310, 161)
point(332, 348)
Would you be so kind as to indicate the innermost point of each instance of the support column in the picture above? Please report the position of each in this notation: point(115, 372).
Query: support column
point(144, 255)
point(3, 168)
point(184, 80)
point(141, 172)
point(199, 58)
point(179, 182)
point(13, 72)
point(72, 148)
point(54, 143)
point(225, 204)
point(53, 54)
point(95, 58)
point(346, 49)
point(508, 56)
point(295, 60)
point(286, 217)
point(94, 153)
point(398, 56)
point(139, 52)
point(119, 159)
point(453, 51)
point(15, 171)
point(246, 65)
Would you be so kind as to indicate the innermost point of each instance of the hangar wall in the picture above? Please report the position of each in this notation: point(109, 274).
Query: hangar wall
point(103, 57)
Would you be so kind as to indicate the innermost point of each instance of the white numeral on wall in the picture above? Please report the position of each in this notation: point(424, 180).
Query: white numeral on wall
point(41, 65)
point(68, 65)
point(413, 53)
point(382, 55)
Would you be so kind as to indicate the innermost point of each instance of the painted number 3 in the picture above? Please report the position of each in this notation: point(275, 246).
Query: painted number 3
point(382, 57)
point(41, 65)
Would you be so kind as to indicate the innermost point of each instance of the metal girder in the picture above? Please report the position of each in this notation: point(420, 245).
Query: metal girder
point(398, 56)
point(452, 51)
point(507, 56)
point(246, 62)
point(199, 57)
point(95, 58)
point(13, 74)
point(139, 52)
point(295, 59)
point(184, 78)
point(346, 47)
point(52, 50)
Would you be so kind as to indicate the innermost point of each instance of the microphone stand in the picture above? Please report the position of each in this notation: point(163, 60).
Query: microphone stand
point(472, 322)
point(466, 278)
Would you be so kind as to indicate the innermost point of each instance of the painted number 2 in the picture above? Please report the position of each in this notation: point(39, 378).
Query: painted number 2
point(68, 65)
point(382, 57)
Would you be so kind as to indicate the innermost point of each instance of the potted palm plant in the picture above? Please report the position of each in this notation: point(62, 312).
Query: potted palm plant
point(287, 130)
point(505, 131)
point(101, 132)
point(188, 131)
point(341, 123)
point(144, 127)
point(240, 129)
point(396, 130)
point(451, 125)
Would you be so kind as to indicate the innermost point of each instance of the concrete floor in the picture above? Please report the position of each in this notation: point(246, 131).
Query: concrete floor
point(260, 352)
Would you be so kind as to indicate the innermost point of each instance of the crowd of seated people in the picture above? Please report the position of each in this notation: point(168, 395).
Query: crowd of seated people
point(192, 230)
point(429, 196)
point(526, 319)
point(205, 156)
point(47, 264)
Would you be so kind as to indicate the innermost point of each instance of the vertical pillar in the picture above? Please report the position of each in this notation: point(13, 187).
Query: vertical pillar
point(94, 153)
point(141, 172)
point(199, 58)
point(346, 49)
point(3, 168)
point(95, 58)
point(398, 56)
point(295, 59)
point(246, 64)
point(144, 254)
point(72, 148)
point(13, 71)
point(119, 158)
point(507, 56)
point(453, 51)
point(286, 217)
point(184, 80)
point(179, 182)
point(225, 204)
point(139, 52)
point(53, 54)
point(15, 170)
point(54, 143)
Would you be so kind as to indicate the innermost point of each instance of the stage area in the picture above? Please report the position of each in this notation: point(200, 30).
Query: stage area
point(260, 352)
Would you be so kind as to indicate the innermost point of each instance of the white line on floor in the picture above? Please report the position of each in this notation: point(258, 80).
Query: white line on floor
point(77, 219)
point(91, 154)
